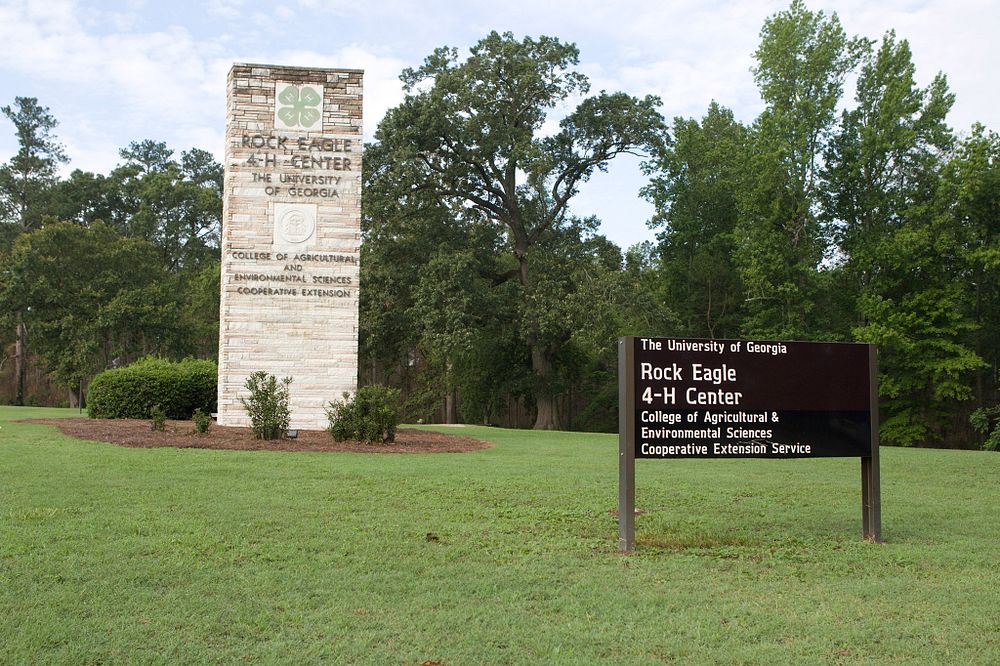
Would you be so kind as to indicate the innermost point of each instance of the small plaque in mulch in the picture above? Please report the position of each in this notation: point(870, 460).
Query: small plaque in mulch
point(181, 434)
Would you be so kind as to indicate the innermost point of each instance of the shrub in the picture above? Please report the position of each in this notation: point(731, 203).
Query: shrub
point(267, 405)
point(202, 421)
point(370, 416)
point(158, 418)
point(131, 392)
point(986, 421)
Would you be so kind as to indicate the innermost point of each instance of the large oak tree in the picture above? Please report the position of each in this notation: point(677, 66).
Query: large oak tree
point(471, 134)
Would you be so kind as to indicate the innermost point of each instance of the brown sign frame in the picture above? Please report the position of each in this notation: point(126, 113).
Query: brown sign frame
point(871, 509)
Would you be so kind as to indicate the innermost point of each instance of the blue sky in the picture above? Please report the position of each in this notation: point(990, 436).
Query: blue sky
point(116, 72)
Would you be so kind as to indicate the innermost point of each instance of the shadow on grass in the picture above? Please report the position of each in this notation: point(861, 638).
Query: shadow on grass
point(699, 543)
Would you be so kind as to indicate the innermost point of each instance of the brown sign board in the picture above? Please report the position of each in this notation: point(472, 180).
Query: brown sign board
point(691, 398)
point(745, 398)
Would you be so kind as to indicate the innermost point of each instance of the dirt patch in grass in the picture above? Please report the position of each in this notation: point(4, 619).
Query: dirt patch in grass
point(181, 434)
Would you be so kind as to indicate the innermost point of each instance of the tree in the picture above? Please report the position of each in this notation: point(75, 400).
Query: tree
point(919, 318)
point(176, 205)
point(84, 198)
point(698, 180)
point(901, 251)
point(644, 300)
point(89, 297)
point(970, 196)
point(437, 314)
point(469, 135)
point(882, 166)
point(802, 61)
point(27, 178)
point(25, 182)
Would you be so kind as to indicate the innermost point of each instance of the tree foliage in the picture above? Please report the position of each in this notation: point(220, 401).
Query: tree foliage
point(901, 254)
point(698, 179)
point(88, 297)
point(802, 62)
point(26, 180)
point(103, 268)
point(869, 226)
point(469, 137)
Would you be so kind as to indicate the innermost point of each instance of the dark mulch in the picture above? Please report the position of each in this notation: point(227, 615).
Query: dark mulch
point(181, 434)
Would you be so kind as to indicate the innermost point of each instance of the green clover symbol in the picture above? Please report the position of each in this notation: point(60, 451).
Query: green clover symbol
point(297, 106)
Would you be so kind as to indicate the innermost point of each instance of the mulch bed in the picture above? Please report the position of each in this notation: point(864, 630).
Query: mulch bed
point(181, 434)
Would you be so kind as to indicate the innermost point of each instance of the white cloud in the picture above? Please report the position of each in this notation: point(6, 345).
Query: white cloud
point(227, 9)
point(125, 85)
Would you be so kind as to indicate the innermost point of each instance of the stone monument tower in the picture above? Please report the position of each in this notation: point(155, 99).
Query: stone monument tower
point(291, 236)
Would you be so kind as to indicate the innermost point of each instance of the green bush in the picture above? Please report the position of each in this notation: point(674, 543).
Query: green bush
point(131, 392)
point(158, 419)
point(986, 421)
point(202, 421)
point(370, 416)
point(267, 405)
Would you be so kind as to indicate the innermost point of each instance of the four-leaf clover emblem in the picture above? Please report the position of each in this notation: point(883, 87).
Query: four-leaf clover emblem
point(299, 106)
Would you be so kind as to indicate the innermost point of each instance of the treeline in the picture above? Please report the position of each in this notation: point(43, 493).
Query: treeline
point(100, 270)
point(841, 212)
point(850, 215)
point(876, 223)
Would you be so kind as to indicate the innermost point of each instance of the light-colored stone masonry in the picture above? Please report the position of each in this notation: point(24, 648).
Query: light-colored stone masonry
point(291, 235)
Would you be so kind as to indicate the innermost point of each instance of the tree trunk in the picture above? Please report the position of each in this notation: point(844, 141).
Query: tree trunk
point(546, 417)
point(569, 409)
point(77, 397)
point(20, 360)
point(450, 396)
point(451, 407)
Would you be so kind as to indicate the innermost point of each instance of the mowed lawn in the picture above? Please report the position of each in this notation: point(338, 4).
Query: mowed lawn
point(507, 555)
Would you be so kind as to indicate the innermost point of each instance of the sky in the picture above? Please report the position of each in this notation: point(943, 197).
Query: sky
point(116, 72)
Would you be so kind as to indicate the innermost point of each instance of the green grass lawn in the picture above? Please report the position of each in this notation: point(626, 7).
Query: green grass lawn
point(507, 555)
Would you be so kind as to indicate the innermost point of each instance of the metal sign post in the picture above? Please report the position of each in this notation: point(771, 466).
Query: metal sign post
point(871, 489)
point(626, 445)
